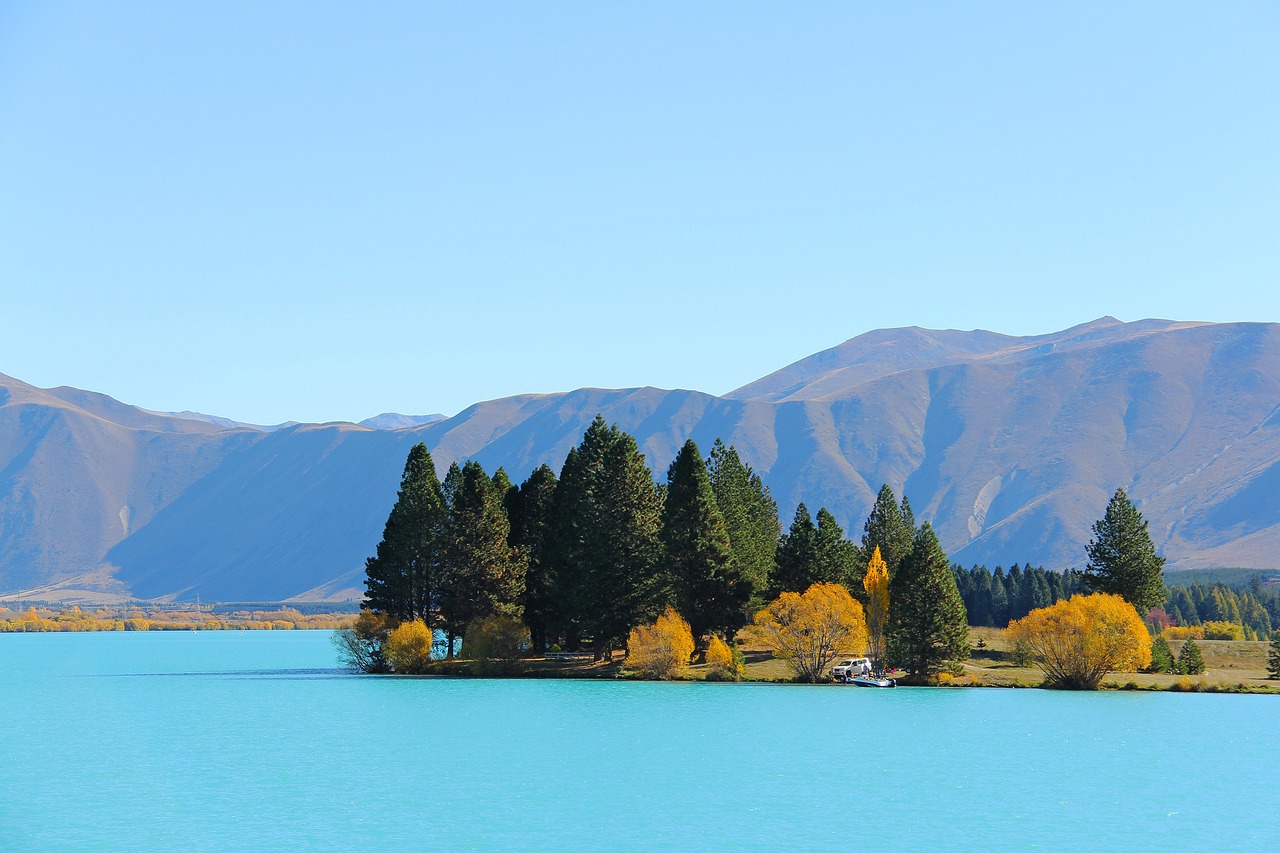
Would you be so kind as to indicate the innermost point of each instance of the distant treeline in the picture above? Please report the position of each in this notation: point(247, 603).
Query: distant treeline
point(47, 619)
point(994, 599)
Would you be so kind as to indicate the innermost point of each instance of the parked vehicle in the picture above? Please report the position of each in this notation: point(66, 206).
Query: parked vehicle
point(851, 667)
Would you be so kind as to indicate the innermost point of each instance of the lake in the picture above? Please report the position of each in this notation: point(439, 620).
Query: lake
point(226, 740)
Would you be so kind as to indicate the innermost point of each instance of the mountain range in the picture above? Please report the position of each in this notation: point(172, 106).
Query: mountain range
point(1011, 446)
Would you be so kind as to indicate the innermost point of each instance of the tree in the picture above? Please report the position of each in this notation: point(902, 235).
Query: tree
point(891, 528)
point(495, 644)
point(363, 646)
point(722, 663)
point(662, 649)
point(1079, 640)
point(409, 647)
point(605, 543)
point(876, 584)
point(835, 558)
point(709, 591)
point(531, 511)
point(400, 578)
point(1190, 661)
point(1122, 557)
point(750, 518)
point(1161, 657)
point(797, 555)
point(1273, 655)
point(481, 573)
point(928, 626)
point(808, 630)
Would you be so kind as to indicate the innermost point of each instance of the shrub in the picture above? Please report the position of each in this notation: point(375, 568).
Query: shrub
point(409, 647)
point(1022, 654)
point(809, 630)
point(363, 645)
point(1222, 631)
point(722, 663)
point(1190, 661)
point(495, 644)
point(1184, 632)
point(663, 649)
point(1080, 640)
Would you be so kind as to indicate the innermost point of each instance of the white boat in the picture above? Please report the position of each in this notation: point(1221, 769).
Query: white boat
point(872, 681)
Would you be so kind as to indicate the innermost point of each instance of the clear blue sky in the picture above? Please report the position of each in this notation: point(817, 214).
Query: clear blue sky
point(322, 211)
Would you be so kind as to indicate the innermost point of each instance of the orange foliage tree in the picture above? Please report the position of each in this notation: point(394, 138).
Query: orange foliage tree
point(808, 630)
point(409, 647)
point(663, 649)
point(721, 663)
point(876, 583)
point(1079, 640)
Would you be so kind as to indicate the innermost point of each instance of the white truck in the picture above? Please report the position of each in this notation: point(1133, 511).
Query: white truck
point(851, 668)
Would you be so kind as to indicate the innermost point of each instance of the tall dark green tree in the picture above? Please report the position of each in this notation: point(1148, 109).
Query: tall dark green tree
point(889, 527)
point(709, 591)
point(835, 558)
point(1122, 557)
point(481, 574)
point(797, 555)
point(400, 577)
point(928, 625)
point(1190, 661)
point(605, 543)
point(750, 518)
point(1273, 655)
point(531, 511)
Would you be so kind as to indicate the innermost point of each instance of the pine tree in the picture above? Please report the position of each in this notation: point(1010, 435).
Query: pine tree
point(1190, 661)
point(891, 528)
point(797, 556)
point(750, 518)
point(1273, 655)
point(1122, 557)
point(1161, 657)
point(709, 591)
point(928, 625)
point(481, 574)
point(530, 511)
point(835, 558)
point(400, 578)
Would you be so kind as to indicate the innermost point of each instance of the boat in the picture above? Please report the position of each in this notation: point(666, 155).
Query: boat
point(872, 681)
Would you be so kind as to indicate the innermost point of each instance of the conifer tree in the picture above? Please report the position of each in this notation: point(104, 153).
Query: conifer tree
point(1161, 656)
point(1190, 661)
point(891, 528)
point(530, 511)
point(709, 590)
point(750, 518)
point(1273, 655)
point(835, 558)
point(481, 574)
point(797, 556)
point(928, 625)
point(1122, 557)
point(400, 578)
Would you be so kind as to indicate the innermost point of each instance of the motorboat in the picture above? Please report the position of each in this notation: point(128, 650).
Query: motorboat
point(871, 681)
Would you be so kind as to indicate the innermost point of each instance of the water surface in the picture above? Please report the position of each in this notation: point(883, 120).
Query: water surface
point(226, 740)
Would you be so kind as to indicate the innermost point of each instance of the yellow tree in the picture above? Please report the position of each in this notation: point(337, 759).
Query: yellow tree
point(721, 664)
point(808, 630)
point(663, 649)
point(1080, 640)
point(876, 583)
point(409, 647)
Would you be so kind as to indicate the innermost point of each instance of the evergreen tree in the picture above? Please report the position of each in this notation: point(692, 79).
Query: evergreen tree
point(531, 512)
point(481, 574)
point(750, 518)
point(1190, 661)
point(1273, 655)
point(709, 591)
point(1122, 557)
point(836, 558)
point(1161, 657)
point(797, 556)
point(928, 625)
point(399, 579)
point(891, 528)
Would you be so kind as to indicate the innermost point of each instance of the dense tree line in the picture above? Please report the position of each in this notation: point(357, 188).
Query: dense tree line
point(1256, 607)
point(994, 599)
point(586, 556)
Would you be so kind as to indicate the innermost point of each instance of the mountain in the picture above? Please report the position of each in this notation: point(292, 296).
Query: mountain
point(1011, 446)
point(392, 420)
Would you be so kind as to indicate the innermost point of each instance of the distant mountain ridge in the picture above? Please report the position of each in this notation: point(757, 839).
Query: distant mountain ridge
point(1010, 445)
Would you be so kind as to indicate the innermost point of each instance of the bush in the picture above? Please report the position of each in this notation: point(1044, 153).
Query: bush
point(363, 646)
point(722, 663)
point(495, 644)
point(1080, 640)
point(1022, 653)
point(1190, 661)
point(661, 650)
point(1184, 632)
point(409, 647)
point(1222, 631)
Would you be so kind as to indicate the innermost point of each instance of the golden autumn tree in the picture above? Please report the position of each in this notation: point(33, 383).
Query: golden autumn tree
point(1079, 640)
point(663, 649)
point(721, 663)
point(808, 630)
point(876, 583)
point(409, 647)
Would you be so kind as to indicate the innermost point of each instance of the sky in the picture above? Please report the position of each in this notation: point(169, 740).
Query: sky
point(322, 211)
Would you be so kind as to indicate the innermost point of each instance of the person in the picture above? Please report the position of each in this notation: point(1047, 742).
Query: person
point(866, 669)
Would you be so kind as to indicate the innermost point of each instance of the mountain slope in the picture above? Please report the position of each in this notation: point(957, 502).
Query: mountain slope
point(1011, 446)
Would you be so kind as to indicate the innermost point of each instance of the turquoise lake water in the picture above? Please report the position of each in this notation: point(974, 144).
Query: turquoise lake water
point(254, 740)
